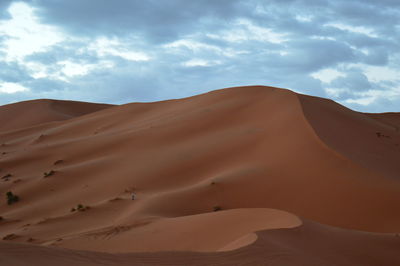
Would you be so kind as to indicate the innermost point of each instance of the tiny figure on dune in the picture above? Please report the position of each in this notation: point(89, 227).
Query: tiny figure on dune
point(133, 196)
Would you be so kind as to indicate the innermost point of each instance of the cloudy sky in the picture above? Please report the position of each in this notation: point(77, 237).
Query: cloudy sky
point(148, 50)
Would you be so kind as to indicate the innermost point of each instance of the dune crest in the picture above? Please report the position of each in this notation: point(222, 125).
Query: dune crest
point(202, 232)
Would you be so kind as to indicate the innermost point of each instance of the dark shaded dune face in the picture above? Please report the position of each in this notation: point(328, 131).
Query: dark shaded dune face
point(74, 109)
point(390, 119)
point(371, 140)
point(30, 113)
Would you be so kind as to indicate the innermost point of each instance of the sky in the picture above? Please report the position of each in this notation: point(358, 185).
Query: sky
point(150, 50)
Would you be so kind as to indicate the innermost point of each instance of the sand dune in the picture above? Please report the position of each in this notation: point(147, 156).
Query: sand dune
point(208, 171)
point(309, 244)
point(30, 113)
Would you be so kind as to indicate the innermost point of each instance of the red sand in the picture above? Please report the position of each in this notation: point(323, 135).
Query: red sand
point(258, 153)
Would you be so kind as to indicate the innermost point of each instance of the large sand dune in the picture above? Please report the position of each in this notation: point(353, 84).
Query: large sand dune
point(208, 171)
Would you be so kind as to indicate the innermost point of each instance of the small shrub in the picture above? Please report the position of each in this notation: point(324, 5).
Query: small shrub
point(80, 208)
point(10, 237)
point(47, 174)
point(217, 208)
point(380, 135)
point(115, 199)
point(7, 176)
point(11, 198)
point(58, 162)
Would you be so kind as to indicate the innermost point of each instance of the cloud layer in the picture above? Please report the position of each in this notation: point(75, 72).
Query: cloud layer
point(119, 52)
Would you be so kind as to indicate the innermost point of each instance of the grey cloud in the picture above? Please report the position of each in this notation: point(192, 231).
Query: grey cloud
point(353, 81)
point(377, 57)
point(311, 55)
point(354, 86)
point(127, 81)
point(43, 85)
point(364, 41)
point(64, 51)
point(306, 85)
point(377, 105)
point(4, 4)
point(310, 46)
point(17, 97)
point(13, 72)
point(367, 14)
point(158, 21)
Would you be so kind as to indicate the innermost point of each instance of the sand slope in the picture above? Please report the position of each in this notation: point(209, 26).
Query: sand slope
point(308, 245)
point(244, 150)
point(371, 140)
point(30, 113)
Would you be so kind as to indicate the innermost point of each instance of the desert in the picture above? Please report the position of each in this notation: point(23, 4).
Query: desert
point(250, 175)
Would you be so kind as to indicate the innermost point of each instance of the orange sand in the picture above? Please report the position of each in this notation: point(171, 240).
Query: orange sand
point(264, 156)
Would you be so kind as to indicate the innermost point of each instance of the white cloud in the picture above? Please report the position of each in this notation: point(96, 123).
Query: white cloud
point(356, 29)
point(24, 34)
point(327, 75)
point(379, 73)
point(105, 46)
point(369, 97)
point(304, 18)
point(37, 70)
point(70, 69)
point(245, 30)
point(200, 62)
point(334, 92)
point(10, 87)
point(361, 101)
point(191, 45)
point(315, 37)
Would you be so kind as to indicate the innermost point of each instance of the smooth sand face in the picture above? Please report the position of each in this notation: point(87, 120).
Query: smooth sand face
point(257, 153)
point(240, 242)
point(201, 232)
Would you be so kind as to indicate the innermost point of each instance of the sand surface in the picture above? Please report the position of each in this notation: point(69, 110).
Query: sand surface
point(311, 244)
point(35, 112)
point(207, 172)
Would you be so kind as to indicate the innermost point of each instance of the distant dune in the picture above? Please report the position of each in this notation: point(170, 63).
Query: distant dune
point(35, 112)
point(250, 175)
